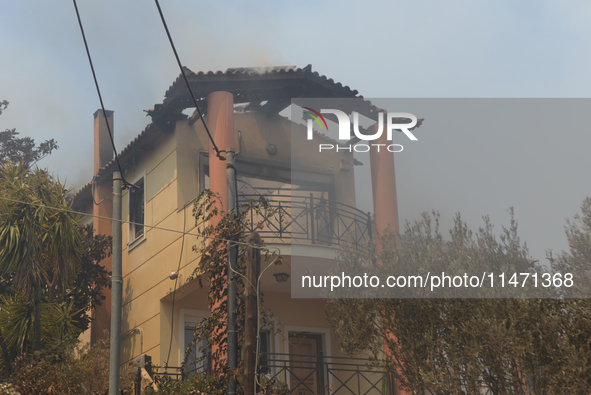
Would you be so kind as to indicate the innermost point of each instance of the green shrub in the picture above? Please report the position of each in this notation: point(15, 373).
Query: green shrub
point(85, 371)
point(210, 385)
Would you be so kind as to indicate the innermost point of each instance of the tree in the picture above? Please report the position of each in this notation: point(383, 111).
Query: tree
point(50, 273)
point(86, 289)
point(65, 318)
point(39, 241)
point(213, 268)
point(211, 333)
point(578, 260)
point(22, 149)
point(460, 345)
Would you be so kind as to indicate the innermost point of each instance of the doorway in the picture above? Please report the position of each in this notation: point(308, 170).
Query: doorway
point(306, 367)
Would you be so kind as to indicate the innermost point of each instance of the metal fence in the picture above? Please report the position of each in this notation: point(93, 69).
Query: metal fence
point(308, 219)
point(317, 374)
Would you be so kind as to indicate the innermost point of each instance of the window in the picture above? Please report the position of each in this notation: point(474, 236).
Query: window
point(137, 208)
point(197, 362)
point(203, 171)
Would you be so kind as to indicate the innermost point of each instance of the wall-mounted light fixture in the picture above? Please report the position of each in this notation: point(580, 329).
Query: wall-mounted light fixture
point(272, 149)
point(281, 277)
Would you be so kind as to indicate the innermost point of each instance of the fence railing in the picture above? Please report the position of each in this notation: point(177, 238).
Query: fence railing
point(309, 220)
point(181, 373)
point(317, 374)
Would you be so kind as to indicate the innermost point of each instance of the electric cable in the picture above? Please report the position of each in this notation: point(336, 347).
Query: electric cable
point(98, 90)
point(258, 345)
point(176, 280)
point(178, 60)
point(145, 225)
point(92, 191)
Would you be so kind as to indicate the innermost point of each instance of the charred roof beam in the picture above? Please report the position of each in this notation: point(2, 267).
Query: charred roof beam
point(164, 117)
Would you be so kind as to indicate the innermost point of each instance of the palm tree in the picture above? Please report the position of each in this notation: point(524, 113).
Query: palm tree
point(40, 247)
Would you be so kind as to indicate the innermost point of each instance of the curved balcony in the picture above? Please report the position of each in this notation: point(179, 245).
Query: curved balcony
point(308, 220)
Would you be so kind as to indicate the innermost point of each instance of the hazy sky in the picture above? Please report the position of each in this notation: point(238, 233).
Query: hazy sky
point(389, 49)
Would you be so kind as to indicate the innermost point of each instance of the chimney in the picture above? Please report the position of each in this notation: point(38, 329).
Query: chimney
point(103, 148)
point(103, 153)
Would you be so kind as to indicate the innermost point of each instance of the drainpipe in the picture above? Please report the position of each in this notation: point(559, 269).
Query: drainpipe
point(232, 264)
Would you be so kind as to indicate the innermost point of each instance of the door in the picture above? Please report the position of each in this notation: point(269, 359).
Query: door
point(306, 370)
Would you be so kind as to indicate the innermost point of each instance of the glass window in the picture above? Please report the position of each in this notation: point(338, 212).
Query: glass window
point(136, 210)
point(197, 362)
point(203, 171)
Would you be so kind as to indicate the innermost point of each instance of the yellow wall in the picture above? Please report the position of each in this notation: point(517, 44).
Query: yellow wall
point(171, 181)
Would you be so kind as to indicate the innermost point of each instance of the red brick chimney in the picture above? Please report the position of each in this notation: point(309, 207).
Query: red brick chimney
point(103, 193)
point(103, 148)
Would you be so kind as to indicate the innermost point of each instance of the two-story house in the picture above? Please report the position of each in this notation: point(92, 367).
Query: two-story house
point(172, 160)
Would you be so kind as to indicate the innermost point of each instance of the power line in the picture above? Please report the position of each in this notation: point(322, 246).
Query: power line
point(176, 280)
point(239, 243)
point(178, 60)
point(98, 90)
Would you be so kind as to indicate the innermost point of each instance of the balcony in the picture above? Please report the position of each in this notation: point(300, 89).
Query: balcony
point(308, 220)
point(317, 374)
point(307, 374)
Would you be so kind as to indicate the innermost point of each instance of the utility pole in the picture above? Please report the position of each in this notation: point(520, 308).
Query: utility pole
point(232, 257)
point(253, 268)
point(116, 289)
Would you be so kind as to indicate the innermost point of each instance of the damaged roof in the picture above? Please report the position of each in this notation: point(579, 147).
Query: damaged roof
point(271, 84)
point(268, 89)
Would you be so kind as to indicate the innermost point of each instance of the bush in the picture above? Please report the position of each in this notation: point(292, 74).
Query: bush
point(211, 385)
point(85, 371)
point(8, 389)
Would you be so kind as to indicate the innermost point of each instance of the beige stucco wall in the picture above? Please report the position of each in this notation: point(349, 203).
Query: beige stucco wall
point(171, 172)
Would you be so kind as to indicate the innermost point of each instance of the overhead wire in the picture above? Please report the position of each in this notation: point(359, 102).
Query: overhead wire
point(178, 60)
point(176, 280)
point(126, 183)
point(258, 343)
point(98, 90)
point(252, 245)
point(202, 120)
point(93, 197)
point(145, 225)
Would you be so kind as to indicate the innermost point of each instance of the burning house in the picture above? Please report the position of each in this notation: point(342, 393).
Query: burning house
point(172, 160)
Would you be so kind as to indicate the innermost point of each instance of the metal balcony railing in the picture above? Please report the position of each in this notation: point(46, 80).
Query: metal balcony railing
point(317, 374)
point(309, 220)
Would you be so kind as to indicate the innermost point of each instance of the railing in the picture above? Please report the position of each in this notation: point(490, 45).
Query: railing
point(317, 374)
point(309, 219)
point(192, 368)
